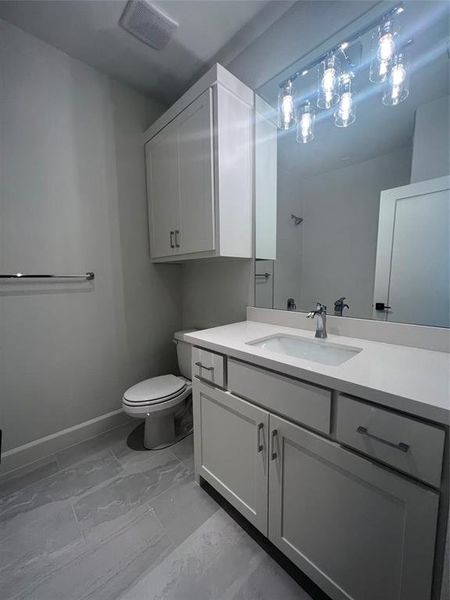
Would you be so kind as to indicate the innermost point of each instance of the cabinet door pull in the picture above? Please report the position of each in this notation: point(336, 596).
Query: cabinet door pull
point(274, 434)
point(259, 446)
point(172, 245)
point(177, 233)
point(400, 446)
point(200, 366)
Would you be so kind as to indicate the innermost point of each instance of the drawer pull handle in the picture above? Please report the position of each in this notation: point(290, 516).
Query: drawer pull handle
point(273, 454)
point(200, 366)
point(259, 446)
point(400, 446)
point(172, 245)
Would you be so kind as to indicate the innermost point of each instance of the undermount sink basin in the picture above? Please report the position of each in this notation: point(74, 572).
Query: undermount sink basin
point(317, 350)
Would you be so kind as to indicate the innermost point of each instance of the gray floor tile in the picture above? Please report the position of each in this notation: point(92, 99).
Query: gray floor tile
point(66, 484)
point(32, 542)
point(142, 478)
point(184, 450)
point(97, 447)
point(213, 563)
point(121, 448)
point(21, 478)
point(104, 571)
point(183, 508)
point(267, 582)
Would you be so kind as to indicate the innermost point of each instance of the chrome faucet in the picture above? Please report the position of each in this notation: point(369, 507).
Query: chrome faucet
point(321, 324)
point(339, 306)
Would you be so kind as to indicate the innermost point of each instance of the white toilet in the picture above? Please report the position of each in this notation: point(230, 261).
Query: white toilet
point(159, 399)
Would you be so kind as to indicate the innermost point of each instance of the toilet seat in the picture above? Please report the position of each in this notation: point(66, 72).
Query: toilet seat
point(155, 394)
point(155, 390)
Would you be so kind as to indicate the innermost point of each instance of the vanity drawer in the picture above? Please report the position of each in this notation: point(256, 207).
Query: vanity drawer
point(307, 404)
point(400, 441)
point(208, 366)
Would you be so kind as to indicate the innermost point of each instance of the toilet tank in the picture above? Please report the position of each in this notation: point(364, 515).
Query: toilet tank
point(184, 352)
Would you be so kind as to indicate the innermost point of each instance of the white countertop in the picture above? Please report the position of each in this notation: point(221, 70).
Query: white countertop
point(412, 380)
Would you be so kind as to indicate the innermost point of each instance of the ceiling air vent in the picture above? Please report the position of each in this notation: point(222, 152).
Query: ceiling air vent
point(148, 24)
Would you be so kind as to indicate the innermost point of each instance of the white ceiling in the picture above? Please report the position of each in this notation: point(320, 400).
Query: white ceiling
point(88, 30)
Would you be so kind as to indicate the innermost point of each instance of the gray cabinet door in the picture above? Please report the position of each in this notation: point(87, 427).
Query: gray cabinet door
point(359, 531)
point(231, 445)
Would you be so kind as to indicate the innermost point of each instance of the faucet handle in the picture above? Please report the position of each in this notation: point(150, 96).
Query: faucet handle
point(339, 304)
point(291, 304)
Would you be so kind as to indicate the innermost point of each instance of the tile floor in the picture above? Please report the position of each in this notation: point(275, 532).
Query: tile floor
point(102, 521)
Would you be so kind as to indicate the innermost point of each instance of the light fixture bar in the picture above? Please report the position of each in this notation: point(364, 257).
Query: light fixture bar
point(347, 42)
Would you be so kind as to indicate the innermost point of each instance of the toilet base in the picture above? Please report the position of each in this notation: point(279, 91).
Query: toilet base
point(175, 440)
point(159, 430)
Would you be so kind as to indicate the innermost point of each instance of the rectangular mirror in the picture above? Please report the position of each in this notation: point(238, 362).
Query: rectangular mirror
point(352, 171)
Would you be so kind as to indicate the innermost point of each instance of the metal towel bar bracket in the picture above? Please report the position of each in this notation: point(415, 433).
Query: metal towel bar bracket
point(89, 276)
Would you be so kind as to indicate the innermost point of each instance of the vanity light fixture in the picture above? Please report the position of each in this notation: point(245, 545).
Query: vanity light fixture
point(336, 71)
point(286, 108)
point(383, 51)
point(329, 73)
point(305, 123)
point(397, 85)
point(345, 111)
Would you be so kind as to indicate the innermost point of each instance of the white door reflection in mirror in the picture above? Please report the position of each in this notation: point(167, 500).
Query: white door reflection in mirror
point(412, 276)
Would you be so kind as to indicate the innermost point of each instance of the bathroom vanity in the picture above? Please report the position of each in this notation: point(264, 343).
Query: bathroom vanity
point(336, 450)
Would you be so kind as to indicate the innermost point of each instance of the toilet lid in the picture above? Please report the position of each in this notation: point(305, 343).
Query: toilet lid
point(155, 388)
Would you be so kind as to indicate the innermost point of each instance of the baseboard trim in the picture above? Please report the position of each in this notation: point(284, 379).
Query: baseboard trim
point(45, 446)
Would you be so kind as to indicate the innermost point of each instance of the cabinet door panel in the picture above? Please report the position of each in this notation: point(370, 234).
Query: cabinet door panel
point(231, 439)
point(195, 153)
point(163, 190)
point(359, 531)
point(234, 120)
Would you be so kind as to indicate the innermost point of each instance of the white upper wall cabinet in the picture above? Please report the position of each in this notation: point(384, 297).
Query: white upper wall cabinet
point(199, 157)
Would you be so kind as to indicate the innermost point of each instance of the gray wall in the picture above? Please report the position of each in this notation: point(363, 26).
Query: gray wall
point(431, 154)
point(288, 265)
point(332, 253)
point(73, 199)
point(216, 292)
